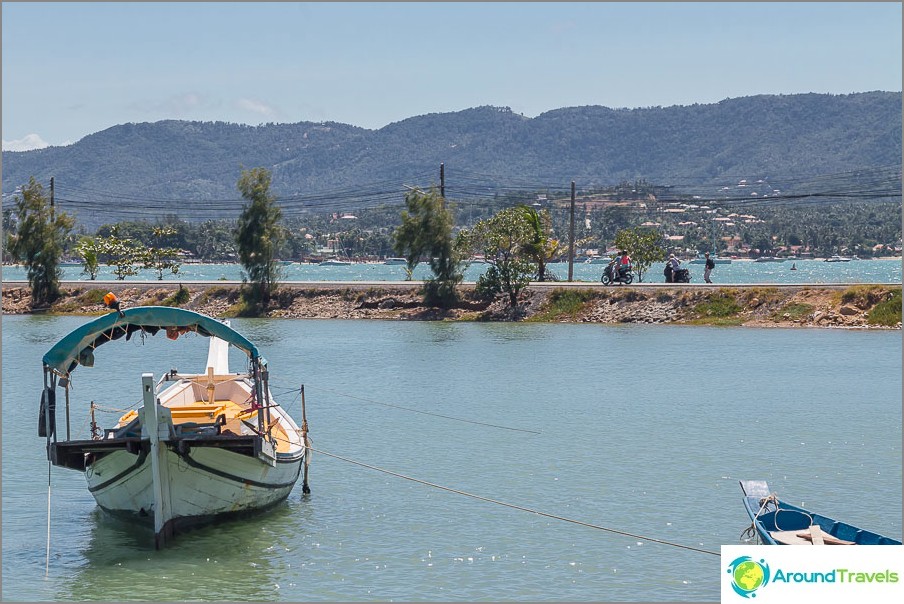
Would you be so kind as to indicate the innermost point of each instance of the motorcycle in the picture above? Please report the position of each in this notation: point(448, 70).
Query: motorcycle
point(682, 275)
point(625, 276)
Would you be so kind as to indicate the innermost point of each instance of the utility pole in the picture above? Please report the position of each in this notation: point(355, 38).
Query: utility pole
point(571, 238)
point(51, 198)
point(442, 181)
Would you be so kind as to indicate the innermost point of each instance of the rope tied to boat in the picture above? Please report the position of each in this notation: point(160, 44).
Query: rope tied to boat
point(515, 506)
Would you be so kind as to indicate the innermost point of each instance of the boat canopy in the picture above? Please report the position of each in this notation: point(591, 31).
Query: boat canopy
point(77, 347)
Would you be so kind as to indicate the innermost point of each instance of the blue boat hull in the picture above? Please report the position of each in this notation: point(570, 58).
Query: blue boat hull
point(775, 520)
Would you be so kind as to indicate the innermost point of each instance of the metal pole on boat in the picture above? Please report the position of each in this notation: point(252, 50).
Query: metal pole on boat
point(64, 382)
point(156, 423)
point(305, 489)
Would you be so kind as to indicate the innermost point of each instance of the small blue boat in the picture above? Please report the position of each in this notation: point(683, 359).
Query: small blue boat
point(778, 522)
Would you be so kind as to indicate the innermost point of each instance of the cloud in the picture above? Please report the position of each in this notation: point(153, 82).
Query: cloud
point(178, 106)
point(255, 106)
point(26, 143)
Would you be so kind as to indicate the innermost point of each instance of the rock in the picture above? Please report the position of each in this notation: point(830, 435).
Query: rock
point(848, 311)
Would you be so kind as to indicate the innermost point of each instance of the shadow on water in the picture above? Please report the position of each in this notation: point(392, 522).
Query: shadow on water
point(243, 559)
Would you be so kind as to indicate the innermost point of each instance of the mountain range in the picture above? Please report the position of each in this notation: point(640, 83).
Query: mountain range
point(795, 135)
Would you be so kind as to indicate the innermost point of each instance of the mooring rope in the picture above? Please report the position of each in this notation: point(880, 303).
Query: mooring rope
point(458, 419)
point(512, 505)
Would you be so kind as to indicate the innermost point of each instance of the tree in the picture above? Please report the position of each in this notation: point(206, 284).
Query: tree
point(257, 236)
point(426, 231)
point(90, 249)
point(644, 247)
point(162, 258)
point(39, 241)
point(123, 255)
point(503, 239)
point(541, 247)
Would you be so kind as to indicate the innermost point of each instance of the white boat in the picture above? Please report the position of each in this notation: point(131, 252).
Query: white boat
point(769, 259)
point(203, 447)
point(335, 262)
point(599, 260)
point(837, 258)
point(395, 261)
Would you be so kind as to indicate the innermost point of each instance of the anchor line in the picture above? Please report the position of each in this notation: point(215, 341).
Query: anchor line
point(514, 506)
point(457, 419)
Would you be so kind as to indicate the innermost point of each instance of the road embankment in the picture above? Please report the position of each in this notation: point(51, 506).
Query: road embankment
point(850, 306)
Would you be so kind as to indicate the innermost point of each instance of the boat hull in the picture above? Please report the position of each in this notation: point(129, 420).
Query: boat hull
point(206, 483)
point(778, 522)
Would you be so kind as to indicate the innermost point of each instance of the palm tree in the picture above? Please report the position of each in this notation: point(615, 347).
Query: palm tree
point(541, 248)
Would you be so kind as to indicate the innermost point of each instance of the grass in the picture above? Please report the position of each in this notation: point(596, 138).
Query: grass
point(795, 311)
point(92, 297)
point(887, 312)
point(719, 308)
point(863, 296)
point(563, 303)
point(180, 297)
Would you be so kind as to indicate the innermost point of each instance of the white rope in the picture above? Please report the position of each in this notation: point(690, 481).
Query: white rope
point(514, 506)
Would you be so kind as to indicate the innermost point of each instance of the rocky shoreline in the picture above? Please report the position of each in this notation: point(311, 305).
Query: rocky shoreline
point(763, 306)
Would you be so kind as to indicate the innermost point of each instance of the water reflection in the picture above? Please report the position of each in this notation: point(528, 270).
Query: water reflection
point(243, 559)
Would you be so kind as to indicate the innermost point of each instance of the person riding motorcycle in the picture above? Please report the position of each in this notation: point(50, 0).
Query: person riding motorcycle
point(624, 264)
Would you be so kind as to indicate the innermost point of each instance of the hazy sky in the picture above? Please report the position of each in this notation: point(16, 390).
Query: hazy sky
point(72, 69)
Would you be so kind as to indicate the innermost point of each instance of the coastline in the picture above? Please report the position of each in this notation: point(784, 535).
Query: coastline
point(838, 306)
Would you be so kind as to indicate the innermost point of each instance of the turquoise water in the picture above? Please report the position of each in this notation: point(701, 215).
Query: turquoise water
point(643, 429)
point(808, 271)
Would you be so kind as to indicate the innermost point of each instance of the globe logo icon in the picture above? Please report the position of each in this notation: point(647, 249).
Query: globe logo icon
point(748, 575)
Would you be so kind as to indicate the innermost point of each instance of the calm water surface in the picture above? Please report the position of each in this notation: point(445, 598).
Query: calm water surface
point(644, 429)
point(807, 271)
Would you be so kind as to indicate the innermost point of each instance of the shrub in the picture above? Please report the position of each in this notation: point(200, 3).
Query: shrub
point(564, 303)
point(886, 312)
point(180, 297)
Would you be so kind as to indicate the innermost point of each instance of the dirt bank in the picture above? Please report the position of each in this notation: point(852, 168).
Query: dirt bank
point(805, 306)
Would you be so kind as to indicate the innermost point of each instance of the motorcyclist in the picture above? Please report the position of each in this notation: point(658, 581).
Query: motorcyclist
point(624, 264)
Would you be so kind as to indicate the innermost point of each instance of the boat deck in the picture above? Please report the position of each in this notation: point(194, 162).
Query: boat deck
point(205, 414)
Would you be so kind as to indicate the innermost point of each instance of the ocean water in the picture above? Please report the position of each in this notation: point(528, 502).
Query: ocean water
point(806, 271)
point(638, 429)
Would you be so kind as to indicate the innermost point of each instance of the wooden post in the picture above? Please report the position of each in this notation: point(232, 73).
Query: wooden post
point(51, 197)
point(571, 238)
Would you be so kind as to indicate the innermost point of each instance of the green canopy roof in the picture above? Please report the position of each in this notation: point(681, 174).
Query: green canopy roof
point(65, 354)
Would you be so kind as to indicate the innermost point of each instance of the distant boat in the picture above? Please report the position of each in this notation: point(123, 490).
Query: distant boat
point(837, 258)
point(769, 259)
point(335, 262)
point(793, 266)
point(395, 261)
point(599, 260)
point(777, 522)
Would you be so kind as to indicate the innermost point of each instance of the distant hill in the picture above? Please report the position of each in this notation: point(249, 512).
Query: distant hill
point(802, 134)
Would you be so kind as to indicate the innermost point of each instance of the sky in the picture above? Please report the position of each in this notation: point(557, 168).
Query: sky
point(73, 69)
